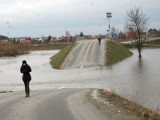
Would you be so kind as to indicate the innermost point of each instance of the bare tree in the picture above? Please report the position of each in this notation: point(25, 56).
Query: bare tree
point(137, 22)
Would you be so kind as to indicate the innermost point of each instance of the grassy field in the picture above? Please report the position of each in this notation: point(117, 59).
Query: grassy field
point(152, 44)
point(155, 42)
point(54, 46)
point(57, 59)
point(115, 52)
point(147, 44)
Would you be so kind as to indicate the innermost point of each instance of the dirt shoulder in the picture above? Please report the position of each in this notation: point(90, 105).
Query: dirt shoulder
point(110, 107)
point(82, 109)
point(88, 105)
point(118, 108)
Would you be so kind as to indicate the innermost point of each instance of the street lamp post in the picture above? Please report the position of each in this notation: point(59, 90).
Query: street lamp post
point(109, 15)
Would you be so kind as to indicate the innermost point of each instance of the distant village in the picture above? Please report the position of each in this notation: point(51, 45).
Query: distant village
point(68, 38)
point(45, 40)
point(38, 40)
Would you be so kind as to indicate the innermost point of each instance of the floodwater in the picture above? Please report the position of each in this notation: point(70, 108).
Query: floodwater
point(134, 79)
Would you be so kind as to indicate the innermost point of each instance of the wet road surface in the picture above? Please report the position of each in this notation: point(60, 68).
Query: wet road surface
point(86, 54)
point(47, 105)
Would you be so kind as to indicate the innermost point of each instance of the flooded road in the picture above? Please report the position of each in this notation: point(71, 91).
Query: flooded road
point(137, 80)
point(87, 53)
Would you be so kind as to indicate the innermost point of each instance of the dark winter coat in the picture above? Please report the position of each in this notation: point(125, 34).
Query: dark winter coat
point(26, 69)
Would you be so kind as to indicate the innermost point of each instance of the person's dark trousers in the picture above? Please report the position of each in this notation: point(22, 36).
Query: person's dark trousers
point(27, 90)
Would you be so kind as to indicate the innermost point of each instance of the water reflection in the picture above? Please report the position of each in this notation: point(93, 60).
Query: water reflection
point(139, 79)
point(140, 63)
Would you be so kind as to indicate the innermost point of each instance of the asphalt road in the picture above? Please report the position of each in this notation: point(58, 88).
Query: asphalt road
point(42, 105)
point(87, 53)
point(64, 104)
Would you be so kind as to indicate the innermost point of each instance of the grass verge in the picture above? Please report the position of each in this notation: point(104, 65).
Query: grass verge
point(57, 59)
point(115, 52)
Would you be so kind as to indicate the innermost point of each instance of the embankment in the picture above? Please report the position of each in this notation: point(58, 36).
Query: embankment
point(116, 52)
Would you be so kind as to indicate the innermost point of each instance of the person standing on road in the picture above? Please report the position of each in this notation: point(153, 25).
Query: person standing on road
point(99, 40)
point(25, 70)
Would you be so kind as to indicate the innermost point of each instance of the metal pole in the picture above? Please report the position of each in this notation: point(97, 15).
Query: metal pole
point(109, 25)
point(109, 15)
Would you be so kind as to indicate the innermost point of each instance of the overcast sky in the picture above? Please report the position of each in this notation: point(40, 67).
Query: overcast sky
point(53, 17)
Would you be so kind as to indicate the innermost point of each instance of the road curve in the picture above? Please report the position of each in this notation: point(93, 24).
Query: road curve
point(64, 104)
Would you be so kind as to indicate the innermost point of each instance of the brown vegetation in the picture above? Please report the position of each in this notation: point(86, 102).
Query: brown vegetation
point(130, 105)
point(11, 51)
point(14, 50)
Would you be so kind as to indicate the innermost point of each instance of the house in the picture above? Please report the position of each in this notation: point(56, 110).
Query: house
point(5, 42)
point(25, 41)
point(131, 35)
